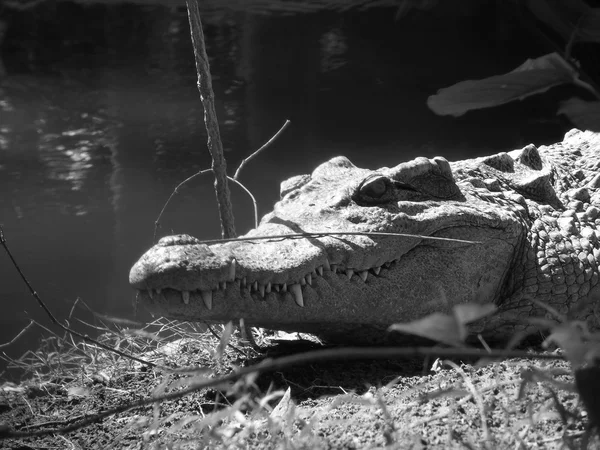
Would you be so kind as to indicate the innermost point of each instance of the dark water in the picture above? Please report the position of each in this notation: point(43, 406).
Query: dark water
point(100, 119)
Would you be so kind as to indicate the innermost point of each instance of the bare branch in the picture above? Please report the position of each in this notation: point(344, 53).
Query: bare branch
point(338, 233)
point(175, 191)
point(265, 145)
point(21, 333)
point(251, 196)
point(53, 318)
point(207, 96)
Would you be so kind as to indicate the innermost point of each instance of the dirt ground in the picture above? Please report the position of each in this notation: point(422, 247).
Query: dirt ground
point(404, 404)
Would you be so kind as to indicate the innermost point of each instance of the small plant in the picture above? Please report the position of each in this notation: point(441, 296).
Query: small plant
point(575, 22)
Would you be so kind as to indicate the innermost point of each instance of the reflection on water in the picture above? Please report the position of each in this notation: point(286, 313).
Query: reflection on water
point(68, 162)
point(333, 50)
point(100, 119)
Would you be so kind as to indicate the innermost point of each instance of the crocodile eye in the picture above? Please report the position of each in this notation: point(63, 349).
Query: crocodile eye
point(374, 188)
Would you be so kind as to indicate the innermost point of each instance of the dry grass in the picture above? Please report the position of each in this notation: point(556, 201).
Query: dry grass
point(507, 404)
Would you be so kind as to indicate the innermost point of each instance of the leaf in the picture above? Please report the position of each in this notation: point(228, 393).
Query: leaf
point(589, 27)
point(580, 346)
point(568, 17)
point(225, 337)
point(470, 312)
point(437, 327)
point(532, 77)
point(584, 115)
point(445, 328)
point(284, 405)
point(77, 391)
point(100, 377)
point(263, 402)
point(364, 400)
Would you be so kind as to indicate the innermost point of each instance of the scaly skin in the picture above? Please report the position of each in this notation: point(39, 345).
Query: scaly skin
point(533, 211)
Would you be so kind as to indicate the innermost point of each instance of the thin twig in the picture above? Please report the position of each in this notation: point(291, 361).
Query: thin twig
point(265, 145)
point(53, 318)
point(572, 38)
point(271, 365)
point(207, 96)
point(245, 160)
point(54, 422)
point(336, 233)
point(252, 197)
point(67, 320)
point(229, 344)
point(234, 179)
point(21, 333)
point(175, 191)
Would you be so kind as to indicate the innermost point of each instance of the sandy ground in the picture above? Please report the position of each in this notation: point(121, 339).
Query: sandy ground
point(417, 403)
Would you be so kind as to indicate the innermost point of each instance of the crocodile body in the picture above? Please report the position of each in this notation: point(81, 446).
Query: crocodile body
point(533, 214)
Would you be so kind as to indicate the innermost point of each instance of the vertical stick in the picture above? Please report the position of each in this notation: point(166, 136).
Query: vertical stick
point(215, 147)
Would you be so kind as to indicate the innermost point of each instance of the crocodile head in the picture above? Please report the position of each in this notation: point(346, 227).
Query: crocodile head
point(344, 287)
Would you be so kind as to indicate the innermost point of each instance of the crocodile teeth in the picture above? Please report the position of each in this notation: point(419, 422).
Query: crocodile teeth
point(326, 264)
point(207, 298)
point(376, 270)
point(151, 294)
point(303, 281)
point(232, 269)
point(268, 287)
point(158, 291)
point(334, 268)
point(284, 287)
point(387, 264)
point(296, 290)
point(255, 286)
point(320, 270)
point(261, 289)
point(185, 295)
point(349, 273)
point(276, 286)
point(309, 279)
point(363, 275)
point(244, 282)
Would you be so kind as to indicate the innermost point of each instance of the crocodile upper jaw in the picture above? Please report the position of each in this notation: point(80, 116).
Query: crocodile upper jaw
point(332, 299)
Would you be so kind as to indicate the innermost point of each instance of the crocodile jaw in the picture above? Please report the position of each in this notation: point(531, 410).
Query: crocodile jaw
point(341, 285)
point(335, 301)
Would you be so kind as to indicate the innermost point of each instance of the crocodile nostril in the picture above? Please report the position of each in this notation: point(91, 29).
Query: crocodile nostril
point(356, 219)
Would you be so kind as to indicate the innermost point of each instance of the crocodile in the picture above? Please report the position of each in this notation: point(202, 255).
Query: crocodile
point(518, 230)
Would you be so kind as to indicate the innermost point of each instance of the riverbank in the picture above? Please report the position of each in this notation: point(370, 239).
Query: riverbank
point(405, 403)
